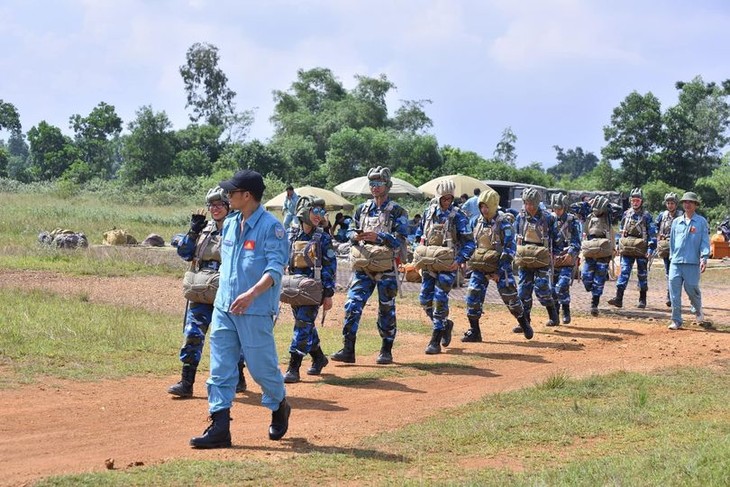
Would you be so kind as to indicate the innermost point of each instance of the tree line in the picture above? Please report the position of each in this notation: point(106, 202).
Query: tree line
point(325, 134)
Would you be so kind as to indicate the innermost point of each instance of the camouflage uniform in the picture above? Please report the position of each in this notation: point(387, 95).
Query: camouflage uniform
point(595, 270)
point(500, 232)
point(664, 227)
point(364, 283)
point(568, 242)
point(635, 223)
point(540, 230)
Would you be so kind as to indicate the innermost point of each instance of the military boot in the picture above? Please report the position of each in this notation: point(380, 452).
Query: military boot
point(434, 346)
point(241, 386)
point(386, 355)
point(525, 326)
point(319, 361)
point(594, 305)
point(446, 337)
point(526, 319)
point(184, 388)
point(642, 299)
point(292, 372)
point(617, 300)
point(474, 333)
point(566, 313)
point(554, 318)
point(218, 434)
point(280, 421)
point(347, 353)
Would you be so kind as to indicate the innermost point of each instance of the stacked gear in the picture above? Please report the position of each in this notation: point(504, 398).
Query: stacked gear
point(380, 174)
point(599, 240)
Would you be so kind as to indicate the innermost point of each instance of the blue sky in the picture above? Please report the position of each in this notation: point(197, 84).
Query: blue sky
point(552, 70)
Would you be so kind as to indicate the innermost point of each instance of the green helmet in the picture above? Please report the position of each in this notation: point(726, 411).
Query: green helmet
point(600, 203)
point(532, 195)
point(217, 194)
point(559, 200)
point(305, 205)
point(671, 197)
point(637, 193)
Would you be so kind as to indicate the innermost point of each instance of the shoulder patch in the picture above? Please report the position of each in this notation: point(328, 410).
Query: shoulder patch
point(279, 231)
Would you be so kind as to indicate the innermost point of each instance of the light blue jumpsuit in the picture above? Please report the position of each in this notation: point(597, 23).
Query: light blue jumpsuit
point(247, 254)
point(689, 244)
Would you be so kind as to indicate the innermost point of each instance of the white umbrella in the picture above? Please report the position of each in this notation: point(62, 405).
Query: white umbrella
point(332, 201)
point(464, 184)
point(361, 187)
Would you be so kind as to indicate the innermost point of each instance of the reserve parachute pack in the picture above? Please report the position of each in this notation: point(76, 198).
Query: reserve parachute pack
point(488, 245)
point(600, 244)
point(437, 254)
point(369, 257)
point(200, 282)
point(633, 242)
point(532, 251)
point(299, 289)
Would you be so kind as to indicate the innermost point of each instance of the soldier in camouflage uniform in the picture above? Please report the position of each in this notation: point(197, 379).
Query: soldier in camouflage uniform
point(638, 241)
point(566, 249)
point(536, 229)
point(380, 225)
point(455, 233)
point(599, 216)
point(664, 226)
point(310, 212)
point(492, 260)
point(201, 245)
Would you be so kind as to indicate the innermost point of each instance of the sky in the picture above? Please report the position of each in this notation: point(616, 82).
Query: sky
point(551, 70)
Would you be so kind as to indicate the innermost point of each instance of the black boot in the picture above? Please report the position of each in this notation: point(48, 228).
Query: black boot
point(218, 434)
point(385, 356)
point(241, 386)
point(434, 346)
point(319, 361)
point(525, 326)
point(526, 318)
point(618, 300)
point(554, 319)
point(292, 372)
point(594, 305)
point(446, 337)
point(347, 353)
point(184, 388)
point(642, 299)
point(280, 421)
point(566, 313)
point(474, 333)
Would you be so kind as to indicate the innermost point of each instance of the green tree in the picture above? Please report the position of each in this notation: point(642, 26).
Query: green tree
point(51, 152)
point(149, 149)
point(695, 131)
point(634, 137)
point(297, 160)
point(506, 150)
point(410, 117)
point(573, 163)
point(206, 86)
point(252, 155)
point(352, 152)
point(9, 117)
point(92, 137)
point(197, 147)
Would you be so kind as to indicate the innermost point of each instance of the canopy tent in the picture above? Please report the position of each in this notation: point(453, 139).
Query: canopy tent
point(332, 201)
point(464, 184)
point(361, 187)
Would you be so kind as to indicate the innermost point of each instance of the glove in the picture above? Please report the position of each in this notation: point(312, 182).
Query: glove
point(197, 223)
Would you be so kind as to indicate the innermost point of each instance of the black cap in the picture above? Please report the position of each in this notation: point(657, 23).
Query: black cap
point(246, 180)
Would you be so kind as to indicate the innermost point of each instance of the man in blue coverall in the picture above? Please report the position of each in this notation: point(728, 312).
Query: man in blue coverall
point(689, 244)
point(254, 253)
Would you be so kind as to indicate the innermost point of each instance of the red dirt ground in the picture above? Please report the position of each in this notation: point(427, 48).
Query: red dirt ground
point(57, 427)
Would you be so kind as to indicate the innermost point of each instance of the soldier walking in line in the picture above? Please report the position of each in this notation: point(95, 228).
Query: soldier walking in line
point(566, 249)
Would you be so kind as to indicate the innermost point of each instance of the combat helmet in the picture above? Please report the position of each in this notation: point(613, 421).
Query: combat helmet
point(559, 200)
point(217, 194)
point(445, 188)
point(637, 193)
point(380, 173)
point(599, 205)
point(532, 195)
point(671, 197)
point(305, 205)
point(490, 198)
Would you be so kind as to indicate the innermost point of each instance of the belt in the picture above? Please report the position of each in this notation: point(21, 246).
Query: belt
point(210, 264)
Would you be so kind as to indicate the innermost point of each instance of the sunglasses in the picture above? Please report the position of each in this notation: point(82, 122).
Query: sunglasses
point(319, 211)
point(216, 206)
point(377, 184)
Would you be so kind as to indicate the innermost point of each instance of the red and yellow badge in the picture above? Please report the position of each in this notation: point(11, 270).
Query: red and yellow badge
point(249, 245)
point(692, 229)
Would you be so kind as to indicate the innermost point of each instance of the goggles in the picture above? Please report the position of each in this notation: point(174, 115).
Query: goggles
point(377, 184)
point(319, 211)
point(217, 205)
